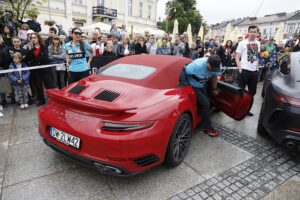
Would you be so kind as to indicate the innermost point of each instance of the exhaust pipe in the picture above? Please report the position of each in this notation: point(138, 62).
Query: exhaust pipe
point(107, 169)
point(291, 145)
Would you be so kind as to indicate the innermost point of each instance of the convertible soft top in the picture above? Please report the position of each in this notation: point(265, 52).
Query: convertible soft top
point(168, 69)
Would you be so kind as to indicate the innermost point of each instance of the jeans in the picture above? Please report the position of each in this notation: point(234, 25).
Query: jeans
point(61, 79)
point(203, 106)
point(43, 77)
point(76, 76)
point(250, 79)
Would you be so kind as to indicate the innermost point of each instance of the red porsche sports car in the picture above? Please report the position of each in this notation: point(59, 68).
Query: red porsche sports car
point(135, 113)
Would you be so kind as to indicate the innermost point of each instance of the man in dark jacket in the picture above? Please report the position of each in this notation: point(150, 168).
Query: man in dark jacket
point(34, 25)
point(52, 32)
point(8, 20)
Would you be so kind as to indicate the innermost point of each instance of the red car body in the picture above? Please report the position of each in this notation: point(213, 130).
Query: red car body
point(128, 129)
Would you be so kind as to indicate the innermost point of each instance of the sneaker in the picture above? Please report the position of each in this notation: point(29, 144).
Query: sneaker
point(250, 114)
point(1, 115)
point(26, 105)
point(22, 106)
point(212, 132)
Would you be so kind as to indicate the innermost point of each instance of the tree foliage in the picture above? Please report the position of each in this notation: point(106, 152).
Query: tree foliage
point(22, 8)
point(185, 12)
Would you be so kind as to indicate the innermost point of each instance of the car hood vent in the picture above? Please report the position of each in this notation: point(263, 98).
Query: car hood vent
point(107, 95)
point(77, 89)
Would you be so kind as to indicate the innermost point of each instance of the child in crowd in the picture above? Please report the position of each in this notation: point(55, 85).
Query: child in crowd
point(194, 52)
point(23, 32)
point(20, 80)
point(109, 49)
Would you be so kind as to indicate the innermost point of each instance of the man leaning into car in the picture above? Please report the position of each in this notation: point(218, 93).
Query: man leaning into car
point(199, 72)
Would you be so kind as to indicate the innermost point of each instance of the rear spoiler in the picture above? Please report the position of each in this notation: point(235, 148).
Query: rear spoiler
point(76, 100)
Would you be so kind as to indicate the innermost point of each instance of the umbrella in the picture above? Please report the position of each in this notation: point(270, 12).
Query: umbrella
point(209, 34)
point(201, 33)
point(105, 28)
point(236, 33)
point(279, 33)
point(189, 32)
point(175, 30)
point(227, 34)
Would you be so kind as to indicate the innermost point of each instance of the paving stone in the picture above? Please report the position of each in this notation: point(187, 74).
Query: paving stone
point(237, 196)
point(197, 197)
point(190, 192)
point(203, 194)
point(228, 190)
point(233, 187)
point(175, 198)
point(209, 191)
point(197, 189)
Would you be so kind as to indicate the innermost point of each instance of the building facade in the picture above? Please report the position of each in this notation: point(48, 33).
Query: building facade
point(292, 25)
point(267, 24)
point(76, 13)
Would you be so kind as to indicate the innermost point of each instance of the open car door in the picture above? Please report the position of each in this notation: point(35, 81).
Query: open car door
point(232, 100)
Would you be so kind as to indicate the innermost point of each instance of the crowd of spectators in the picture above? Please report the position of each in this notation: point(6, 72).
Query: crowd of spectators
point(21, 45)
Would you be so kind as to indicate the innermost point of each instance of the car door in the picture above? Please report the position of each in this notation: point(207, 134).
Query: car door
point(232, 100)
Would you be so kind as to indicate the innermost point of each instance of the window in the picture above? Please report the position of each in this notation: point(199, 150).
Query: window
point(141, 9)
point(149, 11)
point(129, 71)
point(130, 7)
point(100, 2)
point(265, 31)
point(77, 1)
point(291, 30)
point(78, 24)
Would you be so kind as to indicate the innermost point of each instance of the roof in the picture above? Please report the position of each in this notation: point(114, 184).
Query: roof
point(296, 16)
point(234, 22)
point(279, 17)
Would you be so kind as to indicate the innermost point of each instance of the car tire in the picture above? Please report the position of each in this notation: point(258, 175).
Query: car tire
point(260, 127)
point(179, 141)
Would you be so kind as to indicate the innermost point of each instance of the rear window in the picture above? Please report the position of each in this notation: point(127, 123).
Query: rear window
point(129, 71)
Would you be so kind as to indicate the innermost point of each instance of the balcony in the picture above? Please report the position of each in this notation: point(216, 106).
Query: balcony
point(101, 11)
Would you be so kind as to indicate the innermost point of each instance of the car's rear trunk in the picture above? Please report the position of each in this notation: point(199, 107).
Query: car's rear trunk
point(107, 96)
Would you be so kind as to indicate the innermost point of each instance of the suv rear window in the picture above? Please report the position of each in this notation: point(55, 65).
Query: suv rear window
point(129, 71)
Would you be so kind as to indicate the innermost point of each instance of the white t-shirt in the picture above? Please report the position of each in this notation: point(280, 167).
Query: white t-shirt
point(249, 51)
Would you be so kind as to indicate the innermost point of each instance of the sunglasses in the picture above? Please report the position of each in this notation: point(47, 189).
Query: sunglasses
point(77, 33)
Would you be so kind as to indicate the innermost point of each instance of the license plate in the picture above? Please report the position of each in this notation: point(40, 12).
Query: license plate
point(65, 138)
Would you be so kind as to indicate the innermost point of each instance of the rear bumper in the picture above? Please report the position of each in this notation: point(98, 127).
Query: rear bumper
point(282, 123)
point(130, 153)
point(106, 168)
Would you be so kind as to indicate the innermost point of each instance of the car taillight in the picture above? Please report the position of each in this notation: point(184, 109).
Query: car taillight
point(288, 100)
point(115, 127)
point(295, 129)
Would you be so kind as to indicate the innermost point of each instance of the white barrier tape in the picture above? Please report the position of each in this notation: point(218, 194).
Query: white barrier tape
point(237, 67)
point(5, 71)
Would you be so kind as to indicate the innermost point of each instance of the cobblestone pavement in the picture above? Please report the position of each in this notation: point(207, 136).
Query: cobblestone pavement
point(253, 179)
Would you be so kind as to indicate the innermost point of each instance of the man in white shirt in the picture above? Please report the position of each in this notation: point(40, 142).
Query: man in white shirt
point(246, 59)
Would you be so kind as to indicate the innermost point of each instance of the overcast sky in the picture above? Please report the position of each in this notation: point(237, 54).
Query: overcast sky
point(215, 11)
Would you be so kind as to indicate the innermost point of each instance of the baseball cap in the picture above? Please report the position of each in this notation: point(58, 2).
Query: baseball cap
point(214, 61)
